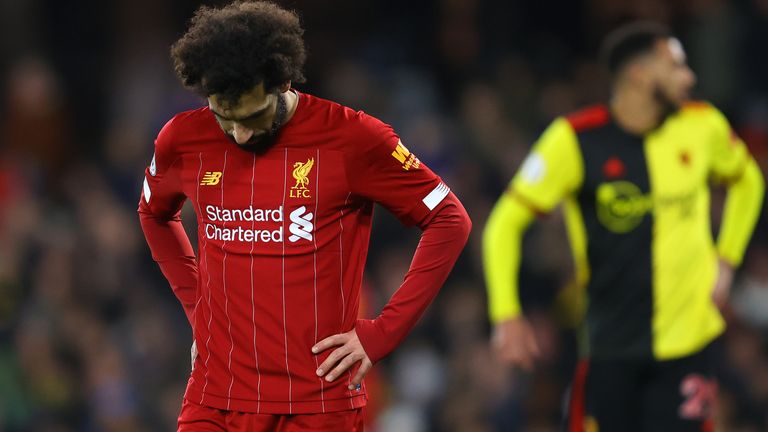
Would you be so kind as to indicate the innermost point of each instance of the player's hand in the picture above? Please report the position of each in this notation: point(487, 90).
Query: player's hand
point(349, 352)
point(722, 289)
point(514, 343)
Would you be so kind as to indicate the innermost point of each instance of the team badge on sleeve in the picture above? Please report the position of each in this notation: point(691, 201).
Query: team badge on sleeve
point(533, 168)
point(405, 157)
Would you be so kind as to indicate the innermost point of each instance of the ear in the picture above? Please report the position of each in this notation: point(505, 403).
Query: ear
point(284, 87)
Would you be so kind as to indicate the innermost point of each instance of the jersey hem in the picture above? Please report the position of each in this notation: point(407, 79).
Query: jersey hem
point(655, 354)
point(701, 343)
point(276, 407)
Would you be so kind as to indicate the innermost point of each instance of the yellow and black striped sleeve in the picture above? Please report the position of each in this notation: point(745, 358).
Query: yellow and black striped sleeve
point(552, 170)
point(732, 164)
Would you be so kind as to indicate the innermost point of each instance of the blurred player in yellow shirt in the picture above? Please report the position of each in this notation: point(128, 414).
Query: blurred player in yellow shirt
point(633, 176)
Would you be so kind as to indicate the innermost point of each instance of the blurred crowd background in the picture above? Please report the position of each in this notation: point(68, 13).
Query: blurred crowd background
point(91, 337)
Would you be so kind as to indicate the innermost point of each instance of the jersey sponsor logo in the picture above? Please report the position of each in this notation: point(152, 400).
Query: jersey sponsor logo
point(621, 206)
point(533, 168)
point(301, 175)
point(261, 233)
point(699, 397)
point(153, 167)
point(215, 232)
point(685, 202)
point(405, 157)
point(249, 214)
point(266, 224)
point(211, 178)
point(301, 226)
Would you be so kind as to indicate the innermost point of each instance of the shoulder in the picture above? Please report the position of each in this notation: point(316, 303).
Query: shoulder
point(588, 118)
point(562, 132)
point(185, 127)
point(701, 111)
point(181, 129)
point(187, 122)
point(342, 119)
point(703, 115)
point(557, 146)
point(698, 106)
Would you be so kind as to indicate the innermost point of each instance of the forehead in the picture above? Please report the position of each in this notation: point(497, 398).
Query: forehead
point(671, 49)
point(249, 102)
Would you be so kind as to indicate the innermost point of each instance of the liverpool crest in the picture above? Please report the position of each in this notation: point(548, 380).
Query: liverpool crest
point(301, 175)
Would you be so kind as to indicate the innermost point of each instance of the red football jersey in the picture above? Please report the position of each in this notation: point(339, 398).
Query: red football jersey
point(283, 239)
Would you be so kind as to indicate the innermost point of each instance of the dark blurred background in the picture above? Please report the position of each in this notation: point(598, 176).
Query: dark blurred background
point(91, 337)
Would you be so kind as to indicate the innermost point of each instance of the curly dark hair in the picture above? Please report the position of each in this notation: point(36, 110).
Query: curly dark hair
point(227, 51)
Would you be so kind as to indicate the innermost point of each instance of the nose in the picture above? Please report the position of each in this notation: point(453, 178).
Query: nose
point(690, 77)
point(241, 133)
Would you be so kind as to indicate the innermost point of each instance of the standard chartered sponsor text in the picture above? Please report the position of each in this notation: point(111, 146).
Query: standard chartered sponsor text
point(216, 214)
point(244, 234)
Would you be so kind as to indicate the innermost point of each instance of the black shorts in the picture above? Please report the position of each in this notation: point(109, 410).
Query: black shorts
point(644, 395)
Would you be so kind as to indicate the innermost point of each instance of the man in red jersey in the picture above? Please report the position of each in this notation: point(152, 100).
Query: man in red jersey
point(283, 185)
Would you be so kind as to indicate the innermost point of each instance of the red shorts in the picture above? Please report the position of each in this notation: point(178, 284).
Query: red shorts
point(197, 418)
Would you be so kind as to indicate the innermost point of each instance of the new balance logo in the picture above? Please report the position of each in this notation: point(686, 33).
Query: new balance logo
point(301, 226)
point(211, 178)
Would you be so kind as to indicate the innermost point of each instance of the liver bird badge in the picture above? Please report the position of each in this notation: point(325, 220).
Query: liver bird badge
point(301, 174)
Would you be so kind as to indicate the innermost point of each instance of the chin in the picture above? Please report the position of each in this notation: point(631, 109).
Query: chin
point(682, 100)
point(258, 146)
point(253, 142)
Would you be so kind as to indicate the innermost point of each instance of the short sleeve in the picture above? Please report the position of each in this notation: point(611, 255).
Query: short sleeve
point(728, 153)
point(552, 170)
point(161, 193)
point(383, 170)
